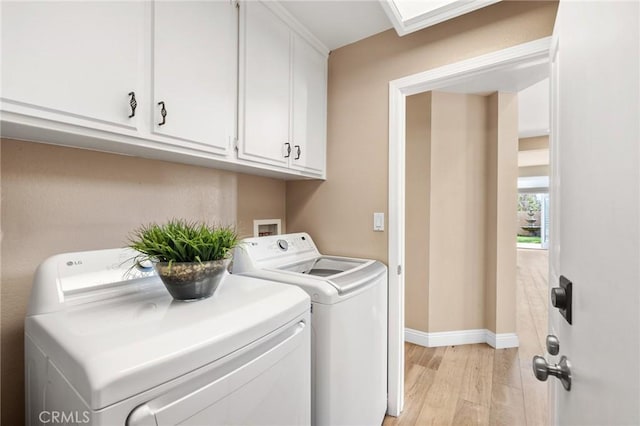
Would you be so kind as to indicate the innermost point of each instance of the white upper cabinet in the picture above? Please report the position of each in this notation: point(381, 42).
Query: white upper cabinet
point(195, 72)
point(283, 90)
point(309, 107)
point(176, 80)
point(265, 87)
point(72, 60)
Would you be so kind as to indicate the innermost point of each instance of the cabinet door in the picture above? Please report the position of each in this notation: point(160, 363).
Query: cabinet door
point(309, 108)
point(264, 85)
point(72, 60)
point(194, 72)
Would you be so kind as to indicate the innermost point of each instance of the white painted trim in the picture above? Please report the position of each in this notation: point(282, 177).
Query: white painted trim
point(258, 222)
point(427, 19)
point(296, 26)
point(528, 183)
point(395, 360)
point(393, 14)
point(554, 174)
point(416, 337)
point(461, 337)
point(533, 52)
point(502, 340)
point(445, 338)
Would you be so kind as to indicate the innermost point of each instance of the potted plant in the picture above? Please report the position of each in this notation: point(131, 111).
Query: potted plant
point(189, 257)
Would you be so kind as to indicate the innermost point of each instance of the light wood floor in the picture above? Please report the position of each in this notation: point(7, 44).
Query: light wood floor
point(479, 385)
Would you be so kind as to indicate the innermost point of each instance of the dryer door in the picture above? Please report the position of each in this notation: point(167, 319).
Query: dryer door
point(267, 382)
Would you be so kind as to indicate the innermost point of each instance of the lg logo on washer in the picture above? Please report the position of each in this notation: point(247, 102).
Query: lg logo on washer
point(64, 417)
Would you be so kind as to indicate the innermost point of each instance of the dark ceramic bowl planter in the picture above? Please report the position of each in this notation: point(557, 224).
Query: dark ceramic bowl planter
point(191, 258)
point(190, 281)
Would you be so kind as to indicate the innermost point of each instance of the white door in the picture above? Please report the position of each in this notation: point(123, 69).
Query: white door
point(194, 72)
point(544, 221)
point(76, 59)
point(595, 232)
point(309, 107)
point(265, 70)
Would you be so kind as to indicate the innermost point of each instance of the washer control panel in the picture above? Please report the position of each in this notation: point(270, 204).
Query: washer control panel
point(283, 245)
point(278, 248)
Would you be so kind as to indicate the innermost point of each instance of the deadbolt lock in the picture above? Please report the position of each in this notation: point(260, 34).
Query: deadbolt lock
point(553, 345)
point(561, 298)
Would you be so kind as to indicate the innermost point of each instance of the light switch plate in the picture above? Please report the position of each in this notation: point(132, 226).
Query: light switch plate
point(378, 222)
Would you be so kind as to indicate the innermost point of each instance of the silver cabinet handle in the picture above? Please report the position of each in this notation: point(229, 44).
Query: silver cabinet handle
point(288, 145)
point(298, 152)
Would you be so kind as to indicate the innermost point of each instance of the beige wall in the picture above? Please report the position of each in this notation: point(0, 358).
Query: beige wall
point(57, 199)
point(418, 186)
point(458, 212)
point(492, 214)
point(500, 296)
point(259, 198)
point(526, 144)
point(538, 142)
point(461, 169)
point(338, 212)
point(533, 171)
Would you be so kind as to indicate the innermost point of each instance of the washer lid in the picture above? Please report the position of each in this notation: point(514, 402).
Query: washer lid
point(112, 349)
point(325, 266)
point(345, 274)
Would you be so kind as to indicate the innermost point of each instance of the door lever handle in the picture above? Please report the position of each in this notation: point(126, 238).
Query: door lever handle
point(542, 370)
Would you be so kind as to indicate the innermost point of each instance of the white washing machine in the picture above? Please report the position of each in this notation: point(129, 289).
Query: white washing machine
point(348, 320)
point(106, 344)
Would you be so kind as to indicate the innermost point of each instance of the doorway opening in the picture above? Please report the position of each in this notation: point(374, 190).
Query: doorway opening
point(531, 56)
point(533, 220)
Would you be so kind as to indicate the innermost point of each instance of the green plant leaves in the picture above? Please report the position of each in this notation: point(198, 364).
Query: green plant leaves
point(182, 241)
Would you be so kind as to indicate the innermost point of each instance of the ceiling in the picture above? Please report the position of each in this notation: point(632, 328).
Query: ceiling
point(338, 23)
point(532, 85)
point(510, 80)
point(408, 16)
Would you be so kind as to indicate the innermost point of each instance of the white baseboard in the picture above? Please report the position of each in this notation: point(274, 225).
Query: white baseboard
point(461, 337)
point(444, 338)
point(502, 340)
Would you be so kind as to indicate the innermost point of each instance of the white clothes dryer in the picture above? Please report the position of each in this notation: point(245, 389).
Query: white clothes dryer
point(348, 321)
point(105, 344)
